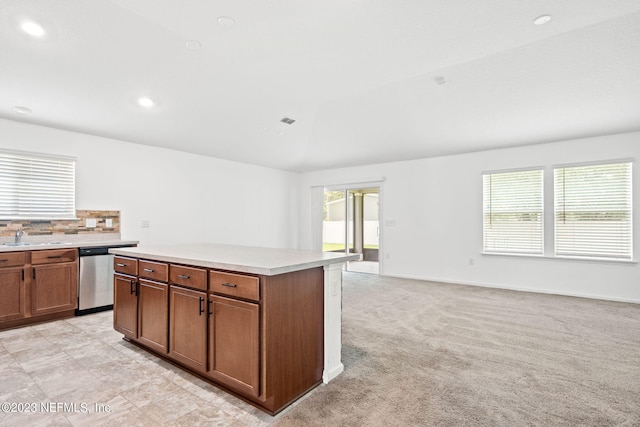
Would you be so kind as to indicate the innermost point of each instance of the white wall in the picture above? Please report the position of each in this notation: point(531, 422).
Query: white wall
point(187, 198)
point(436, 205)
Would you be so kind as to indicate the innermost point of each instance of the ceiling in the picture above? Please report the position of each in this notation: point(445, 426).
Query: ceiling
point(366, 81)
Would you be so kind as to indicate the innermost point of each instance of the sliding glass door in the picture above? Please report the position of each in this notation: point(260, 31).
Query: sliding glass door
point(351, 225)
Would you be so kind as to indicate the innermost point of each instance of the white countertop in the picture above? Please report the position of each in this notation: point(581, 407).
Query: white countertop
point(63, 243)
point(245, 259)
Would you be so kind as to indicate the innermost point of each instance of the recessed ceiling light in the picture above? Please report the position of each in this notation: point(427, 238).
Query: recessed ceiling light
point(287, 120)
point(542, 19)
point(32, 28)
point(440, 80)
point(146, 102)
point(18, 109)
point(193, 44)
point(226, 21)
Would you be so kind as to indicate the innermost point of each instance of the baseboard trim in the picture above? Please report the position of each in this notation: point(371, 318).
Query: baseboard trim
point(517, 288)
point(329, 375)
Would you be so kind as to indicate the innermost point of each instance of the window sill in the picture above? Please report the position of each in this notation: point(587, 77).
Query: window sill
point(562, 258)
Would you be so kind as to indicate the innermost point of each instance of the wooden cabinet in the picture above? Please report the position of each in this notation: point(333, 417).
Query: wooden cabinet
point(54, 288)
point(12, 285)
point(152, 314)
point(188, 327)
point(260, 337)
point(12, 294)
point(37, 285)
point(125, 297)
point(234, 345)
point(140, 305)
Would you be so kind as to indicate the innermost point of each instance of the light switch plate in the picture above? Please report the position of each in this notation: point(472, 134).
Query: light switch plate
point(108, 223)
point(90, 223)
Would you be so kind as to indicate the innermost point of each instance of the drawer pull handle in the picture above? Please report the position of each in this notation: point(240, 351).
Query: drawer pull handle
point(182, 276)
point(4, 260)
point(148, 270)
point(230, 285)
point(54, 256)
point(121, 265)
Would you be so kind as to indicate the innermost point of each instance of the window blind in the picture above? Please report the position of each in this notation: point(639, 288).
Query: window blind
point(593, 211)
point(34, 186)
point(513, 212)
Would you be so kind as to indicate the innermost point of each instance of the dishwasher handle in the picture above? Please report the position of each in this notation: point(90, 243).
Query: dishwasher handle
point(93, 251)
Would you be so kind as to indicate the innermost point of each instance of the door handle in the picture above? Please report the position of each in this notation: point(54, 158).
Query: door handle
point(209, 302)
point(131, 288)
point(201, 307)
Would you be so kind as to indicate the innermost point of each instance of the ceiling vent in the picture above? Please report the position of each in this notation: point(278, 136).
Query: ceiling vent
point(287, 120)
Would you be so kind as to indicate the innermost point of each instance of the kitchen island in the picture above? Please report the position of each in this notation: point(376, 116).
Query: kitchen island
point(264, 324)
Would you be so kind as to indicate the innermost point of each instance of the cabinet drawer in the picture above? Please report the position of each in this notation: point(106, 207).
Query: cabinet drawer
point(235, 285)
point(188, 276)
point(125, 265)
point(53, 256)
point(13, 259)
point(153, 270)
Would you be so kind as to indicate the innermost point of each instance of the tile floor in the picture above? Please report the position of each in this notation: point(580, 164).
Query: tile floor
point(83, 363)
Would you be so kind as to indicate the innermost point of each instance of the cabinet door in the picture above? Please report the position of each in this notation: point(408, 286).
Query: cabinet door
point(12, 303)
point(188, 327)
point(54, 288)
point(234, 350)
point(153, 310)
point(125, 305)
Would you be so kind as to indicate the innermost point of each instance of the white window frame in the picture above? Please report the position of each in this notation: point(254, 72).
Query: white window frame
point(512, 237)
point(609, 239)
point(36, 186)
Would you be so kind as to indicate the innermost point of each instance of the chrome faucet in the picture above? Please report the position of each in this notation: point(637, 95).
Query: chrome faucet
point(19, 234)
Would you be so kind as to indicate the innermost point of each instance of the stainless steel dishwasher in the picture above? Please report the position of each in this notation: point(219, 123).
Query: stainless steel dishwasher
point(95, 284)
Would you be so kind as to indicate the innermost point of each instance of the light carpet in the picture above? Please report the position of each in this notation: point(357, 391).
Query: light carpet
point(431, 354)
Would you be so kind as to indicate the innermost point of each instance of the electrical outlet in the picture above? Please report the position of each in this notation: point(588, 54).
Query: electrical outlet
point(108, 222)
point(90, 223)
point(145, 223)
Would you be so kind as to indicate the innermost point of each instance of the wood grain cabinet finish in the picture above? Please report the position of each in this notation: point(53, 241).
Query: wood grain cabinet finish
point(153, 327)
point(188, 327)
point(125, 265)
point(12, 285)
point(125, 296)
point(54, 288)
point(53, 256)
point(12, 293)
point(260, 337)
point(37, 285)
point(234, 344)
point(190, 277)
point(235, 285)
point(153, 270)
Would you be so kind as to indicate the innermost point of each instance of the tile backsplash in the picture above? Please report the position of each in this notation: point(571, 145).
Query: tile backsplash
point(65, 227)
